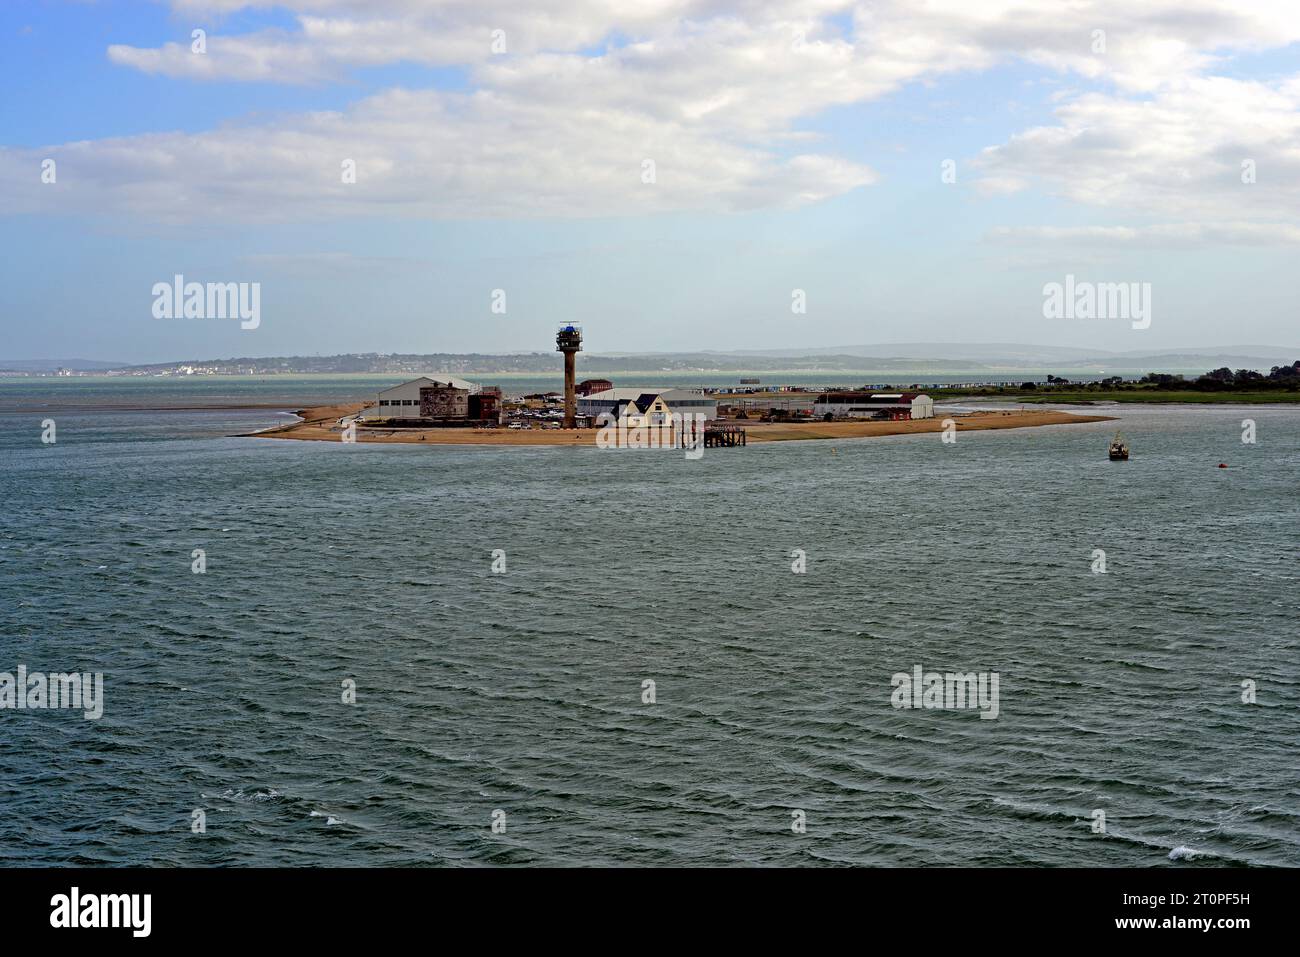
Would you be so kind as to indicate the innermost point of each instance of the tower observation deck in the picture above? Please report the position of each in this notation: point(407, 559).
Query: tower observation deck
point(569, 341)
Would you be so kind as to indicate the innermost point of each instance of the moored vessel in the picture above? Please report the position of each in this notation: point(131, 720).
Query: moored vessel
point(1118, 448)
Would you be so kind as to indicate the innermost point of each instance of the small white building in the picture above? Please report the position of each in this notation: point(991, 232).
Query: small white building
point(874, 405)
point(403, 401)
point(646, 406)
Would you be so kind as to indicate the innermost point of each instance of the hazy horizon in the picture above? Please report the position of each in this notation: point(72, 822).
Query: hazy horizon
point(999, 355)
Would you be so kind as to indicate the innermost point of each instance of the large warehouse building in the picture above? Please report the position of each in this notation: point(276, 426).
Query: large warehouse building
point(874, 405)
point(656, 404)
point(442, 401)
point(403, 401)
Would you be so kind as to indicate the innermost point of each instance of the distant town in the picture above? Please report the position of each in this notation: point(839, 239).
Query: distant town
point(524, 364)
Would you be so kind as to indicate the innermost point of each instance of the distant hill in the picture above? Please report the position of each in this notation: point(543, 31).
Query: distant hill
point(53, 365)
point(1013, 355)
point(546, 363)
point(919, 358)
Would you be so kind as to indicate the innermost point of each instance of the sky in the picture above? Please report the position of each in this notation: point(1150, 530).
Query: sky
point(674, 175)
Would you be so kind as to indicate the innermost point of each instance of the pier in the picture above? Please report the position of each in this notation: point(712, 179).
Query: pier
point(724, 436)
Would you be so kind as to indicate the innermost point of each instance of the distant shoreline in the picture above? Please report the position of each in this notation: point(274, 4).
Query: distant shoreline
point(1138, 397)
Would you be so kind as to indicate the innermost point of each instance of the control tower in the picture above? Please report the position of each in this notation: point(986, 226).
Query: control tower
point(569, 341)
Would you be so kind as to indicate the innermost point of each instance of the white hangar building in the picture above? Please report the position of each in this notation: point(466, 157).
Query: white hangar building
point(403, 401)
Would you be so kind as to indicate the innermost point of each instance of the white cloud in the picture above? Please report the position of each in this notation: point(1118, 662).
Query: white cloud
point(333, 36)
point(712, 90)
point(1158, 235)
point(425, 154)
point(1180, 153)
point(712, 103)
point(1146, 44)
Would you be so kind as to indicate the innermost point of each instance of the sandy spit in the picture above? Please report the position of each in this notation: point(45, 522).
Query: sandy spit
point(321, 424)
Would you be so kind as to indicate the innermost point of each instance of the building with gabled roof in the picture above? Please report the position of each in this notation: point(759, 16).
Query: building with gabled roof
point(403, 401)
point(642, 406)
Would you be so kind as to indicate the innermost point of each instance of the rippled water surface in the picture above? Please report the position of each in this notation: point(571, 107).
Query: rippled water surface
point(522, 692)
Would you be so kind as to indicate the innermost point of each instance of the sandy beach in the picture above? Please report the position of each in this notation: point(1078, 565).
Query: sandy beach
point(320, 423)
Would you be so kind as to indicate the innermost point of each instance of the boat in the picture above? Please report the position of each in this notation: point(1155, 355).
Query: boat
point(1118, 449)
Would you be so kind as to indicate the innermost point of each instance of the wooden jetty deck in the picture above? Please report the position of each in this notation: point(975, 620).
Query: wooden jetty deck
point(723, 436)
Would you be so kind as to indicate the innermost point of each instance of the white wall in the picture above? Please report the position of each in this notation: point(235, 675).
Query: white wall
point(405, 391)
point(411, 391)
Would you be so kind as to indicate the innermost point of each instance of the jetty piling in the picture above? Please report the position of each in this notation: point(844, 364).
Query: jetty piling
point(724, 436)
